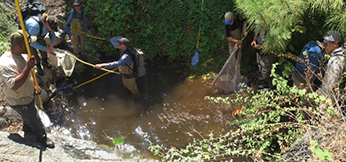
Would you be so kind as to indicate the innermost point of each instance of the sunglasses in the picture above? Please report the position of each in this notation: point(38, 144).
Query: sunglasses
point(79, 5)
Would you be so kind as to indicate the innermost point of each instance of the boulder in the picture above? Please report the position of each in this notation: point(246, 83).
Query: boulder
point(3, 123)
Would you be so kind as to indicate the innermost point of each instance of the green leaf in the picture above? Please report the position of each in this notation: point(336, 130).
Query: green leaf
point(118, 141)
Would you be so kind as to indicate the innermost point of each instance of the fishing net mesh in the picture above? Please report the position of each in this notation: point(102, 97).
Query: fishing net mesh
point(229, 78)
point(65, 61)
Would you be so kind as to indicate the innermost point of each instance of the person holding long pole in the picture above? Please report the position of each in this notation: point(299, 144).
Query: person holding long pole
point(19, 87)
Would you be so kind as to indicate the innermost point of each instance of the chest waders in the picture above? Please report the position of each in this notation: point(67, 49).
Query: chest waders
point(78, 43)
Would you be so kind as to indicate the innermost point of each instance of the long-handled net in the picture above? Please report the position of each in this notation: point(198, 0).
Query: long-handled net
point(229, 77)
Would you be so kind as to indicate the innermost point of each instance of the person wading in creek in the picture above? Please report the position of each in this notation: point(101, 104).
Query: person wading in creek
point(126, 66)
point(77, 20)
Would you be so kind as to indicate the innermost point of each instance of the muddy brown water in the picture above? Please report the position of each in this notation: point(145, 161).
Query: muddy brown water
point(170, 111)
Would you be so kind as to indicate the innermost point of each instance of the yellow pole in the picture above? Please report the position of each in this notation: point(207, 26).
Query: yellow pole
point(83, 32)
point(87, 63)
point(27, 46)
point(94, 79)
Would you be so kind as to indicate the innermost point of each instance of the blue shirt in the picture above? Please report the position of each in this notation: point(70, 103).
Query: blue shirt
point(33, 28)
point(311, 55)
point(77, 16)
point(124, 60)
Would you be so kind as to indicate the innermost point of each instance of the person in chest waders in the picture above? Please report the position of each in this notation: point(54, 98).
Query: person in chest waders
point(77, 20)
point(235, 27)
point(125, 65)
point(264, 60)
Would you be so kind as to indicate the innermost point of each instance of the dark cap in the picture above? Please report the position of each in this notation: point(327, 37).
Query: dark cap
point(332, 36)
point(77, 2)
point(124, 41)
point(17, 38)
point(53, 22)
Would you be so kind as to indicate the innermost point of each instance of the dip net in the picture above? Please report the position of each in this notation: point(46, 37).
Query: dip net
point(65, 60)
point(229, 77)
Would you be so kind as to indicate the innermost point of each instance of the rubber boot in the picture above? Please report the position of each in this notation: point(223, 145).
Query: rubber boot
point(45, 141)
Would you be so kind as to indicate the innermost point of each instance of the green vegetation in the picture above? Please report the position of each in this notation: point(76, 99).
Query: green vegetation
point(118, 141)
point(168, 29)
point(292, 23)
point(164, 29)
point(7, 24)
point(272, 120)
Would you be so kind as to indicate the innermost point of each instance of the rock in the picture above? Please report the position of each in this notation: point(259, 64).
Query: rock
point(3, 123)
point(59, 37)
point(14, 147)
point(12, 115)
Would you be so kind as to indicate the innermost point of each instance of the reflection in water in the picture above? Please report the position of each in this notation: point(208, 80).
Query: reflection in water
point(171, 111)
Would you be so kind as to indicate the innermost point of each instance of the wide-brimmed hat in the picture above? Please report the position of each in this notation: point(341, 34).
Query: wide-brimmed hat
point(17, 38)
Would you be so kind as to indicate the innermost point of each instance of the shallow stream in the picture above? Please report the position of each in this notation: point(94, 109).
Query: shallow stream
point(170, 111)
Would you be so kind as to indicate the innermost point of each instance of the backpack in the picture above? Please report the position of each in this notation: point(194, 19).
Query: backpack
point(40, 23)
point(137, 57)
point(311, 55)
point(32, 8)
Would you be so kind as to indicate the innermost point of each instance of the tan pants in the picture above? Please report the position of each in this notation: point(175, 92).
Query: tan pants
point(129, 83)
point(78, 43)
point(235, 34)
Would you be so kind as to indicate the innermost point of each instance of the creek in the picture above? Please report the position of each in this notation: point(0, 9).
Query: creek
point(170, 111)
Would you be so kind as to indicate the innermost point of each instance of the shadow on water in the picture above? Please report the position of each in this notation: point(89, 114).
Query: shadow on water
point(171, 110)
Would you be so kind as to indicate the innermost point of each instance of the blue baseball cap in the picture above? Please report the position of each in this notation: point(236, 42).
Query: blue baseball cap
point(228, 18)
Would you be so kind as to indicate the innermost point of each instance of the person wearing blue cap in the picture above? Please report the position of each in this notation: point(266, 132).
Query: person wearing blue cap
point(125, 64)
point(233, 26)
point(335, 66)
